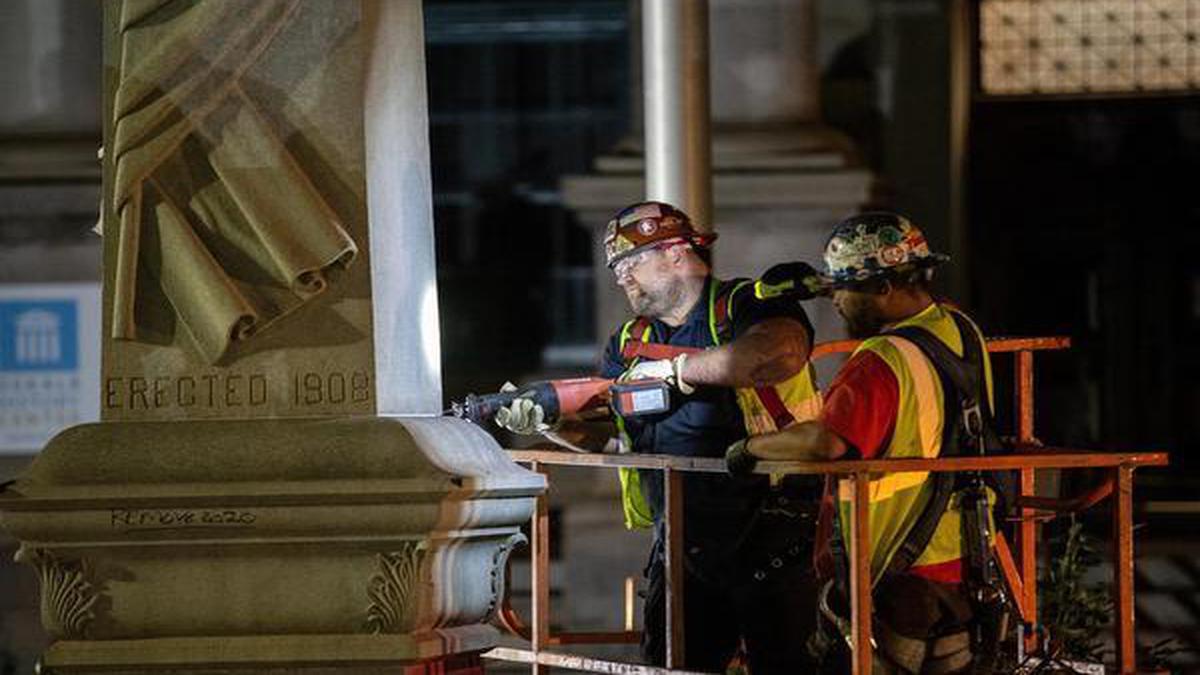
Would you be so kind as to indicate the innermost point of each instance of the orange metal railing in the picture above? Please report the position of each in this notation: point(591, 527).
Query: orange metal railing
point(1020, 571)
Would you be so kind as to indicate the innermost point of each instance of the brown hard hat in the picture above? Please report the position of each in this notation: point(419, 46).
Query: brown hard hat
point(640, 226)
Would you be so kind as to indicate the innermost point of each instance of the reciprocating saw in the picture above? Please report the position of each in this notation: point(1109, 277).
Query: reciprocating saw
point(561, 398)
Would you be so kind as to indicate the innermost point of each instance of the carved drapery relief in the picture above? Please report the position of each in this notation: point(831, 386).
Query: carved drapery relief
point(211, 204)
point(393, 589)
point(68, 596)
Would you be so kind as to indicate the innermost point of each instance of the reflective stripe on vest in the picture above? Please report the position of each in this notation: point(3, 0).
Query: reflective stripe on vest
point(896, 499)
point(638, 514)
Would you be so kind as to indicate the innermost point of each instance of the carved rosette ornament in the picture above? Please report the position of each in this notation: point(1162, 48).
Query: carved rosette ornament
point(392, 589)
point(68, 596)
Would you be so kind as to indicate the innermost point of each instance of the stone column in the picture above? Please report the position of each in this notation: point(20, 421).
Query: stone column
point(271, 486)
point(781, 179)
point(676, 104)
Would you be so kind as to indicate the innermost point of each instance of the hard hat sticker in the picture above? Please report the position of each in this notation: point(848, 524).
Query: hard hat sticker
point(893, 255)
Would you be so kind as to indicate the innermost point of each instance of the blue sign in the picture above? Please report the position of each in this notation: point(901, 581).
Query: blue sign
point(38, 335)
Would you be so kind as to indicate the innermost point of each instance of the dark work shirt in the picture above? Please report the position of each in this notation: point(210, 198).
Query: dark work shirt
point(718, 508)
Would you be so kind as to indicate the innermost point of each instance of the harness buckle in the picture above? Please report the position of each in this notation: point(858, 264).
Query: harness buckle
point(972, 416)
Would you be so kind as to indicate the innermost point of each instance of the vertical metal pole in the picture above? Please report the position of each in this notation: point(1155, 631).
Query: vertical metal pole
point(630, 590)
point(539, 535)
point(860, 574)
point(961, 78)
point(1123, 570)
point(673, 498)
point(675, 77)
point(1024, 392)
point(1029, 528)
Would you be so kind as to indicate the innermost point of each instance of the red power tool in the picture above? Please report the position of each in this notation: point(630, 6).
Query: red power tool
point(560, 398)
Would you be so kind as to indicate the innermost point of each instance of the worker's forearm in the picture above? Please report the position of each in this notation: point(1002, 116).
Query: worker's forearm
point(808, 441)
point(767, 354)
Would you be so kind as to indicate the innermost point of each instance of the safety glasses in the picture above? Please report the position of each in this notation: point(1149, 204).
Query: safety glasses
point(625, 267)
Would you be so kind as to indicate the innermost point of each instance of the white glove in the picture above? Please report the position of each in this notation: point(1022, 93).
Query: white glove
point(522, 416)
point(670, 370)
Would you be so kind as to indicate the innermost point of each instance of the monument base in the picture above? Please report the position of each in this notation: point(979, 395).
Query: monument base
point(346, 543)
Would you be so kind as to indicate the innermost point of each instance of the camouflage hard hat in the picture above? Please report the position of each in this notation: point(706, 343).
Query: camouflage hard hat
point(871, 245)
point(645, 224)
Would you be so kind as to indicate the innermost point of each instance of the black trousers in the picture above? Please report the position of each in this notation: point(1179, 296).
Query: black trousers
point(773, 609)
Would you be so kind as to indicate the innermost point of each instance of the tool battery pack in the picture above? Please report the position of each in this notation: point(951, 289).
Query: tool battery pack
point(640, 397)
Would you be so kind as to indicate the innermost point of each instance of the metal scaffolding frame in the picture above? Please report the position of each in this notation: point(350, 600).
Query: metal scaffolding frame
point(1020, 571)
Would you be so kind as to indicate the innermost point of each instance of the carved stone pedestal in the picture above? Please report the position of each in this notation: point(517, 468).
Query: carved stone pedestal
point(270, 488)
point(300, 544)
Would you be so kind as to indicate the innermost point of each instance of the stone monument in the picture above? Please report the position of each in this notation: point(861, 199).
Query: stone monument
point(271, 485)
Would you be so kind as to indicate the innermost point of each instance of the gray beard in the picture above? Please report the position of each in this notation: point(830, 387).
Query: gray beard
point(660, 302)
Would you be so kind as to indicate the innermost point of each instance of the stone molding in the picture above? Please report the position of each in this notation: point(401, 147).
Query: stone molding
point(298, 541)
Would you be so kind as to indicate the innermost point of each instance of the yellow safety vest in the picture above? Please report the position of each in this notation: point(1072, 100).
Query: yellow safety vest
point(897, 499)
point(764, 409)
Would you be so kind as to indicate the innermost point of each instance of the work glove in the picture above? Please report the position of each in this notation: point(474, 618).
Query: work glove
point(522, 416)
point(796, 280)
point(663, 369)
point(738, 460)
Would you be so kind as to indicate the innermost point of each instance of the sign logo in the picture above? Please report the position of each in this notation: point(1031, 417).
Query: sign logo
point(38, 335)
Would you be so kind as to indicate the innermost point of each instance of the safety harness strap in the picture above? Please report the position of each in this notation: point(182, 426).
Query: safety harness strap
point(635, 339)
point(775, 407)
point(654, 351)
point(962, 376)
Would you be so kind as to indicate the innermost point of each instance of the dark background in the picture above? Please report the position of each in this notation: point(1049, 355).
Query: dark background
point(1082, 213)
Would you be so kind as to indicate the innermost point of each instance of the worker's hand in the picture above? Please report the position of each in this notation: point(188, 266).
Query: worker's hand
point(738, 460)
point(670, 370)
point(796, 280)
point(522, 416)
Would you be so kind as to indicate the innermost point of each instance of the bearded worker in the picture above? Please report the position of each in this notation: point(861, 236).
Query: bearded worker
point(747, 539)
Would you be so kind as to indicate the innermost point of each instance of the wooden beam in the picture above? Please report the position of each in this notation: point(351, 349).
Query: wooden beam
point(1123, 571)
point(1027, 531)
point(1032, 458)
point(539, 535)
point(995, 345)
point(673, 497)
point(860, 574)
point(1016, 584)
